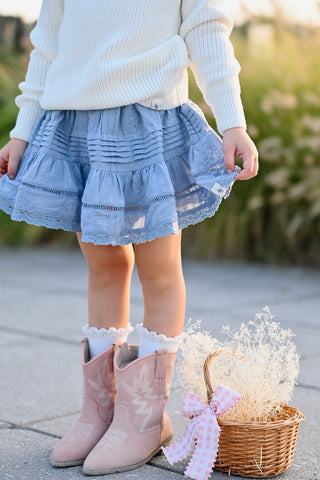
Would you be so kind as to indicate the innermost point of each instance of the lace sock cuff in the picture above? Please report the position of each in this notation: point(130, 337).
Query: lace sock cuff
point(152, 341)
point(100, 339)
point(111, 333)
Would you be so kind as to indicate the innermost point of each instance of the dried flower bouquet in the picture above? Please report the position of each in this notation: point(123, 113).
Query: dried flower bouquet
point(264, 369)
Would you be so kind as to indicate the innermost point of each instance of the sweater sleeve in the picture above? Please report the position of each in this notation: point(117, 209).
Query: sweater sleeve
point(44, 37)
point(205, 28)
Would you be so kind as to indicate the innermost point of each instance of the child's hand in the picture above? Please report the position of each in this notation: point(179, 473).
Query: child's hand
point(10, 156)
point(236, 142)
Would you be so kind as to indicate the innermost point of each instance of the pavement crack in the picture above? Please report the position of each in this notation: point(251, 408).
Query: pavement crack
point(56, 290)
point(36, 430)
point(38, 336)
point(14, 426)
point(54, 417)
point(32, 287)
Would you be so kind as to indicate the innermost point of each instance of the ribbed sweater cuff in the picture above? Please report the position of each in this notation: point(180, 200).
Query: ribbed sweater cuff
point(228, 110)
point(26, 120)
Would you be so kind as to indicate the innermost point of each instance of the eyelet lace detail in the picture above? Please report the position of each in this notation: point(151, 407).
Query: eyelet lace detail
point(158, 337)
point(115, 333)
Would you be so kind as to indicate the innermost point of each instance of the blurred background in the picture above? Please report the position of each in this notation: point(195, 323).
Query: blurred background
point(272, 218)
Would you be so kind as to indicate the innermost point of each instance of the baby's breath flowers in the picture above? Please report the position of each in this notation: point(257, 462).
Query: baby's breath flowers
point(264, 372)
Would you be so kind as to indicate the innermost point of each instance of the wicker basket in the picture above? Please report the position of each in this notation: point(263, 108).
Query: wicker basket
point(254, 449)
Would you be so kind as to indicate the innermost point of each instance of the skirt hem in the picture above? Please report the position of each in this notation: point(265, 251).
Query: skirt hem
point(171, 228)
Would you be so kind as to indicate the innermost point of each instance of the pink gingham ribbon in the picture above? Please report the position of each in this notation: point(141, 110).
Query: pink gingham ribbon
point(202, 428)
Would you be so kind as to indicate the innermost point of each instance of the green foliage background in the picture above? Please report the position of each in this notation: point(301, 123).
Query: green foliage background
point(273, 217)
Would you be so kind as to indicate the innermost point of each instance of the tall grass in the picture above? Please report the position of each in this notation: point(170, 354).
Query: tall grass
point(273, 217)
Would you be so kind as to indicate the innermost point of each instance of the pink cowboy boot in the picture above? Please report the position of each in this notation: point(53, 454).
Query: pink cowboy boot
point(97, 409)
point(140, 427)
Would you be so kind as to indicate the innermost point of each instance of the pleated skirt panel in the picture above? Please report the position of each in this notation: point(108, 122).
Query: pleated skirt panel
point(122, 175)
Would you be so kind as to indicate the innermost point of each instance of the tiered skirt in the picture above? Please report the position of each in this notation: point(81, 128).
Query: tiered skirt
point(120, 175)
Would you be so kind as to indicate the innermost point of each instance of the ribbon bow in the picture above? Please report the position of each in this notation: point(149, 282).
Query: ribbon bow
point(203, 428)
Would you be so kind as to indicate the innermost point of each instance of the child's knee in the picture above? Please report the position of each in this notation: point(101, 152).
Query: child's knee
point(116, 262)
point(160, 274)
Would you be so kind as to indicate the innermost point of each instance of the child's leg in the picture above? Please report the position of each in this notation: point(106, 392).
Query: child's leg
point(110, 269)
point(140, 426)
point(160, 272)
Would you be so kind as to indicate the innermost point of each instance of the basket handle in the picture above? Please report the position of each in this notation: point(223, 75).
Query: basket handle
point(208, 360)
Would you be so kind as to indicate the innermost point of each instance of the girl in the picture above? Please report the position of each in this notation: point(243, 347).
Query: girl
point(107, 144)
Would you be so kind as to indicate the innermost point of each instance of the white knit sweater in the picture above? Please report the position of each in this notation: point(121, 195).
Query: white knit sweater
point(98, 54)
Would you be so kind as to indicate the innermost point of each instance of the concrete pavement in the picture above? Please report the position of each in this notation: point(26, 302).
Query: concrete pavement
point(43, 307)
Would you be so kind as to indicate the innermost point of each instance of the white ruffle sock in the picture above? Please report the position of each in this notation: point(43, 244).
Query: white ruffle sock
point(100, 339)
point(152, 341)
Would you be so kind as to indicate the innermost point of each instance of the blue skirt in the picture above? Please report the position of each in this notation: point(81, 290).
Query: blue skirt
point(119, 175)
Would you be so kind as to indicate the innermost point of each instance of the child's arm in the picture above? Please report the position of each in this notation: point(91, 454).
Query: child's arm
point(206, 28)
point(44, 37)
